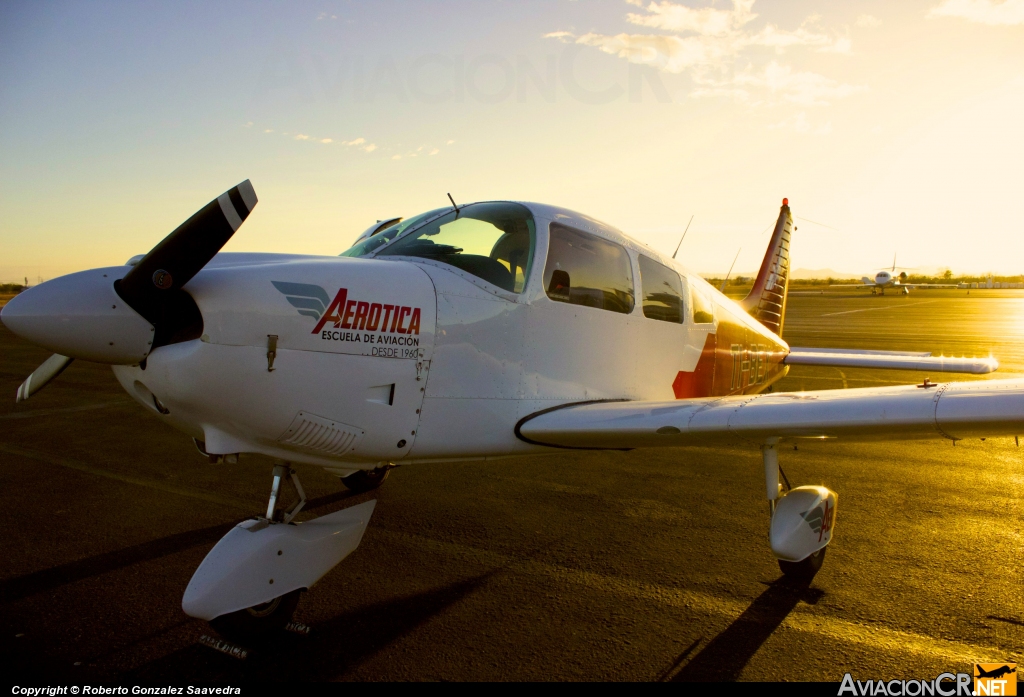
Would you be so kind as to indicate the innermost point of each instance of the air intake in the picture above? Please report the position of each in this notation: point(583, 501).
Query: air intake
point(322, 435)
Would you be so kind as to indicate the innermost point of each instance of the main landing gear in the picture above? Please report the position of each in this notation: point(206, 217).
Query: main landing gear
point(802, 520)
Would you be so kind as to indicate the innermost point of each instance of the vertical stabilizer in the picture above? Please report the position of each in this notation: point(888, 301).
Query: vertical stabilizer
point(767, 299)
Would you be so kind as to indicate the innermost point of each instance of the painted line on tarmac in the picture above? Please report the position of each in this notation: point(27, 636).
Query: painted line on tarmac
point(127, 479)
point(62, 410)
point(800, 619)
point(869, 309)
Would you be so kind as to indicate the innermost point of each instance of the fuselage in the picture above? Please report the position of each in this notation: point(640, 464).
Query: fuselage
point(396, 358)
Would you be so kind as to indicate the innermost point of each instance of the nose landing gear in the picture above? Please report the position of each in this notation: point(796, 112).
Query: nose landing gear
point(258, 622)
point(249, 584)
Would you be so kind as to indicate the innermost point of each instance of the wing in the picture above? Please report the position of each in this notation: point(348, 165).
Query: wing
point(953, 411)
point(310, 300)
point(901, 360)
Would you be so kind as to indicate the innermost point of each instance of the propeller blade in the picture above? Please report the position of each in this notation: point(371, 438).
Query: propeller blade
point(182, 254)
point(41, 376)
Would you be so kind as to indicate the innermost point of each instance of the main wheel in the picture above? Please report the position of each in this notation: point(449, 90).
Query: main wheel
point(366, 480)
point(256, 623)
point(803, 570)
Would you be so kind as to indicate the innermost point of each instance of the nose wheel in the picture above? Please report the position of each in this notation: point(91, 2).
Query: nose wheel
point(258, 623)
point(804, 570)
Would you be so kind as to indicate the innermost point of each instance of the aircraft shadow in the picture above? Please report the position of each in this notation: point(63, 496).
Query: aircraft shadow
point(1008, 620)
point(331, 650)
point(727, 654)
point(14, 589)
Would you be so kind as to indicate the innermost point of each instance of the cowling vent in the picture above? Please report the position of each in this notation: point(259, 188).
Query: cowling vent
point(322, 435)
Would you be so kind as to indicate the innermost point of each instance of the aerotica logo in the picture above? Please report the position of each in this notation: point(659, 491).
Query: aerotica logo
point(820, 519)
point(309, 299)
point(381, 323)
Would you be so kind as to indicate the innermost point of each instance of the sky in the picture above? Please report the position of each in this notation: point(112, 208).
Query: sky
point(893, 128)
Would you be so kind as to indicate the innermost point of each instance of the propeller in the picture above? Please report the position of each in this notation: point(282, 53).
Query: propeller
point(41, 376)
point(118, 315)
point(182, 254)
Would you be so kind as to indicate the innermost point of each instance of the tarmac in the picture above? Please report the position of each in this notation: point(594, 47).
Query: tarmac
point(638, 566)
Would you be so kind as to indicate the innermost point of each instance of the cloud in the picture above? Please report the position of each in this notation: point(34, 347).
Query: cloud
point(842, 45)
point(868, 21)
point(434, 151)
point(358, 143)
point(805, 88)
point(706, 21)
point(800, 124)
point(672, 54)
point(1008, 12)
point(323, 15)
point(710, 41)
point(450, 142)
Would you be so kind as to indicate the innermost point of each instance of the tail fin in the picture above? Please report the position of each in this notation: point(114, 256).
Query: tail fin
point(767, 299)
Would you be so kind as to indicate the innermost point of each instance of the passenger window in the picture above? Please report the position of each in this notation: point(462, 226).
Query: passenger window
point(662, 291)
point(493, 241)
point(583, 269)
point(702, 308)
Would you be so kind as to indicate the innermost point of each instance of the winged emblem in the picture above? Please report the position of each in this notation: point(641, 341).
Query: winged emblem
point(310, 300)
point(815, 518)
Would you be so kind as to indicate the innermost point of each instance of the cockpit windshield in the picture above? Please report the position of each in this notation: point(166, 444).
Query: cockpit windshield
point(493, 241)
point(367, 245)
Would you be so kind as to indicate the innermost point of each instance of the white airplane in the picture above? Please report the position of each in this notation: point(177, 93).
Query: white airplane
point(478, 332)
point(890, 279)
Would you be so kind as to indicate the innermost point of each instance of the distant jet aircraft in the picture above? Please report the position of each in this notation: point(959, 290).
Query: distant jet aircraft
point(890, 279)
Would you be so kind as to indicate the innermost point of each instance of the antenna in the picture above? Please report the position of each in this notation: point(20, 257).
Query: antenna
point(682, 238)
point(453, 204)
point(814, 222)
point(722, 289)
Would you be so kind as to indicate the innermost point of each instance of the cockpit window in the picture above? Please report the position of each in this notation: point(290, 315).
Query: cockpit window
point(368, 244)
point(493, 241)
